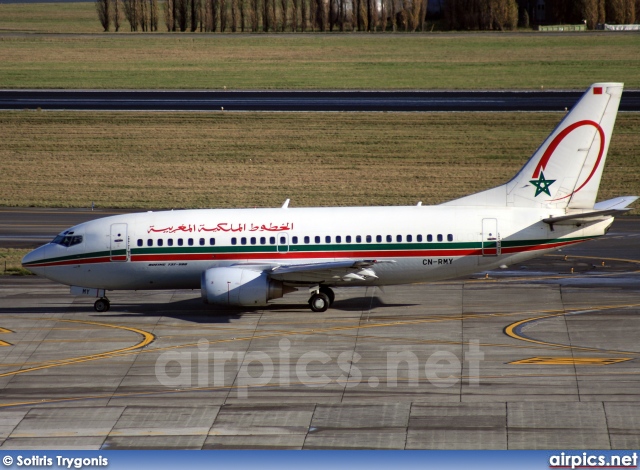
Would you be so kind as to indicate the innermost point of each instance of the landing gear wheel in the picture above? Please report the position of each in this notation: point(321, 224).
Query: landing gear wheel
point(319, 302)
point(329, 293)
point(102, 305)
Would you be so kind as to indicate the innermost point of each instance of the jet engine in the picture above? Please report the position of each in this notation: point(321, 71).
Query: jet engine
point(242, 287)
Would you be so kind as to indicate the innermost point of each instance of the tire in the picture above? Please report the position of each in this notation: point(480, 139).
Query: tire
point(329, 293)
point(319, 302)
point(101, 305)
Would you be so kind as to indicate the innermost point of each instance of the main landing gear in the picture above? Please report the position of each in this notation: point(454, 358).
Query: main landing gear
point(102, 305)
point(322, 299)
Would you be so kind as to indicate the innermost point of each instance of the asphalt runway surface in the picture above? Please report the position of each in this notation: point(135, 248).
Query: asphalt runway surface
point(531, 357)
point(370, 101)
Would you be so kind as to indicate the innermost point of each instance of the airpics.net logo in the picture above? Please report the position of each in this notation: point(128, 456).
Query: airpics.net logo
point(243, 371)
point(587, 460)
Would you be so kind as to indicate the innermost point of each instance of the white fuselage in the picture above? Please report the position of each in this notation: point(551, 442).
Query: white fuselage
point(171, 249)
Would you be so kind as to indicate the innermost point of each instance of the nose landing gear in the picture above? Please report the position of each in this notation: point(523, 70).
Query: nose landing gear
point(102, 305)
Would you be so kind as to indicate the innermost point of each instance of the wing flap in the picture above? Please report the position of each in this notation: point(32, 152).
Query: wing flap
point(326, 272)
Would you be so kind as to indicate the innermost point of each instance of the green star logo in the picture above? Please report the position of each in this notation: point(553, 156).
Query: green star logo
point(542, 185)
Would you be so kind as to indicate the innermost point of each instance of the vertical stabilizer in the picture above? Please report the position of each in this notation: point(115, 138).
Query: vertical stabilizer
point(566, 169)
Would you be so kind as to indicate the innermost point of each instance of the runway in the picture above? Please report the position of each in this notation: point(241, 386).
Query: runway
point(423, 101)
point(533, 356)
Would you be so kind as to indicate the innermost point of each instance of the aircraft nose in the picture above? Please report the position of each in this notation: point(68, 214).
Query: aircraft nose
point(32, 260)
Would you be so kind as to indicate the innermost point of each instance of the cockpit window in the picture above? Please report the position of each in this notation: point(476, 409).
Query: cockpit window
point(67, 240)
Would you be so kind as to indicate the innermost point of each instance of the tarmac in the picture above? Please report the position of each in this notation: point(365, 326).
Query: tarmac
point(542, 355)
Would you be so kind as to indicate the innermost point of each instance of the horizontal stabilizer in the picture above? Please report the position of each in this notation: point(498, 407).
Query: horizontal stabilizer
point(604, 210)
point(616, 203)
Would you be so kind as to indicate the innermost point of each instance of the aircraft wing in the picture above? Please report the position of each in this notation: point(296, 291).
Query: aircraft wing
point(325, 272)
point(601, 211)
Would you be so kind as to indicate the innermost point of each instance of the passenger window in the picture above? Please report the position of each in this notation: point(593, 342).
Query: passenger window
point(202, 242)
point(253, 240)
point(358, 239)
point(368, 238)
point(389, 238)
point(170, 241)
point(140, 243)
point(149, 242)
point(378, 238)
point(450, 237)
point(348, 238)
point(327, 239)
point(317, 239)
point(338, 239)
point(190, 241)
point(160, 242)
point(409, 238)
point(306, 239)
point(180, 242)
point(429, 238)
point(283, 240)
point(263, 241)
point(439, 237)
point(294, 240)
point(212, 241)
point(398, 238)
point(243, 241)
point(419, 238)
point(234, 241)
point(272, 240)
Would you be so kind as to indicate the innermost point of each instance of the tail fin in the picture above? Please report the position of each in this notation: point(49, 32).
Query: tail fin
point(566, 169)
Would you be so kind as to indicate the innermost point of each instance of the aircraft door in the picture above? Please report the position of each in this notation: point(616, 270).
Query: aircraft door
point(119, 243)
point(283, 242)
point(490, 238)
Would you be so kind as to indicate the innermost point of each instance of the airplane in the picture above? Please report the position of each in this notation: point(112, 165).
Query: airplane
point(247, 257)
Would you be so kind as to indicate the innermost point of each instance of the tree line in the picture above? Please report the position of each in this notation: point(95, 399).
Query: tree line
point(351, 15)
point(265, 15)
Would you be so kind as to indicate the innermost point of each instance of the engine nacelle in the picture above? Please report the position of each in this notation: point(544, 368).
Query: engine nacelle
point(242, 287)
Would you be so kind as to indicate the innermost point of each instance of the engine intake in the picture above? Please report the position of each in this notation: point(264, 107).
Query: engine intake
point(241, 287)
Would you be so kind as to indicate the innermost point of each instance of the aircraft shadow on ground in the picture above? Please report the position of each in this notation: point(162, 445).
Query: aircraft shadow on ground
point(194, 310)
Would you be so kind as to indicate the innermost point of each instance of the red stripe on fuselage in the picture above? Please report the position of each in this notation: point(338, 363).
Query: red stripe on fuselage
point(270, 256)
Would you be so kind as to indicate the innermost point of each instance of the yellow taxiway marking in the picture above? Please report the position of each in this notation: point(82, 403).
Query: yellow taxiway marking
point(572, 361)
point(513, 330)
point(2, 331)
point(147, 338)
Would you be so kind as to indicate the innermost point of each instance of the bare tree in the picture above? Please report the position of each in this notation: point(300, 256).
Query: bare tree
point(234, 15)
point(265, 15)
point(362, 14)
point(414, 14)
point(384, 12)
point(223, 15)
point(615, 11)
point(303, 15)
point(254, 15)
point(294, 15)
point(194, 15)
point(392, 15)
point(283, 11)
point(104, 14)
point(272, 13)
point(630, 11)
point(588, 10)
point(153, 15)
point(169, 19)
point(423, 14)
point(117, 15)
